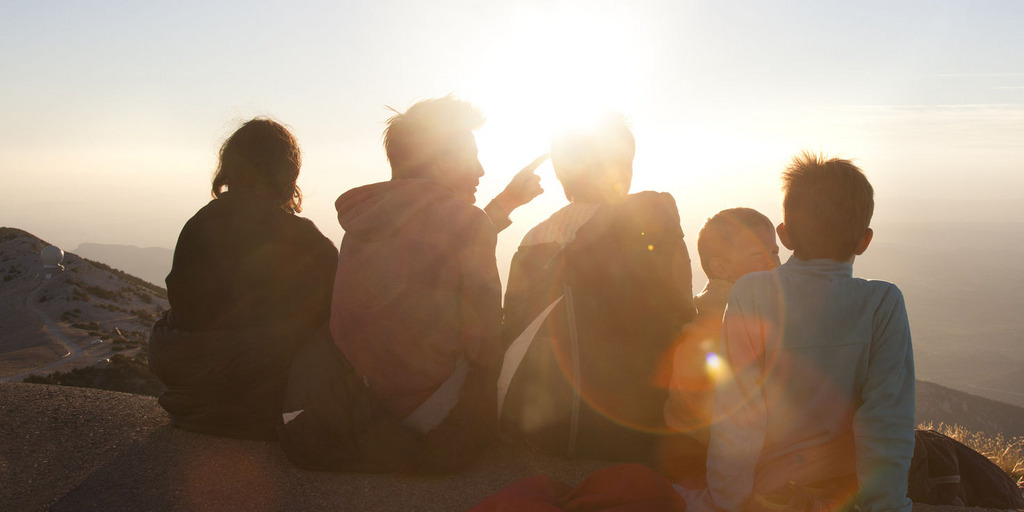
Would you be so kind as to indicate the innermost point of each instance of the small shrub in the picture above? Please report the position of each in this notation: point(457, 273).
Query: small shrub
point(126, 374)
point(100, 293)
point(1007, 453)
point(86, 326)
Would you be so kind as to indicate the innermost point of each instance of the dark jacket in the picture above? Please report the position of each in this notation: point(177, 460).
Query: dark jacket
point(249, 284)
point(417, 289)
point(589, 383)
point(242, 263)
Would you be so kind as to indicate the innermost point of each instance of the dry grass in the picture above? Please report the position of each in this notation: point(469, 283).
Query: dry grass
point(1008, 454)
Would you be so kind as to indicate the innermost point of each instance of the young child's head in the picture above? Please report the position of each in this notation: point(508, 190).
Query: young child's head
point(827, 206)
point(736, 242)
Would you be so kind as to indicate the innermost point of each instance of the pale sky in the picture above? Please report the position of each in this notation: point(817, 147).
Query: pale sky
point(111, 113)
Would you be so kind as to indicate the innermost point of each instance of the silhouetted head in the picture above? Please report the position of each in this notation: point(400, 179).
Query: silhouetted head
point(827, 206)
point(736, 242)
point(594, 163)
point(434, 140)
point(262, 159)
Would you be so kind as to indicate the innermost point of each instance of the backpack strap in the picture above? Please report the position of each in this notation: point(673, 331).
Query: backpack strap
point(574, 348)
point(517, 351)
point(435, 408)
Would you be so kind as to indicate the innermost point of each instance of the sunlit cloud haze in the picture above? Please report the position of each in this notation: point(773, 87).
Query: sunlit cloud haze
point(111, 113)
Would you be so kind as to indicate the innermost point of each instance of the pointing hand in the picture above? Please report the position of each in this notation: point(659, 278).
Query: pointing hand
point(525, 186)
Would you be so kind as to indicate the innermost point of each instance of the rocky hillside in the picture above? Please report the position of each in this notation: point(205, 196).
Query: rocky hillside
point(939, 404)
point(86, 311)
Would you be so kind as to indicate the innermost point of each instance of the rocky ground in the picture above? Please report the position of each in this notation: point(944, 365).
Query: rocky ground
point(84, 449)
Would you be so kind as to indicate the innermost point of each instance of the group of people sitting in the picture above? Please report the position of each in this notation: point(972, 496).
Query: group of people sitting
point(397, 353)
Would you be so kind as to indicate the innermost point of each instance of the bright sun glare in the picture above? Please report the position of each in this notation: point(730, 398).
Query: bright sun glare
point(555, 69)
point(549, 68)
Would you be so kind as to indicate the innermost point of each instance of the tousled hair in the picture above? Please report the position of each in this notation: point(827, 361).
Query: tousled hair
point(262, 157)
point(595, 161)
point(827, 206)
point(427, 130)
point(719, 233)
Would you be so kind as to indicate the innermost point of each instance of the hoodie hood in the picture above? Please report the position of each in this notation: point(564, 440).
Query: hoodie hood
point(378, 210)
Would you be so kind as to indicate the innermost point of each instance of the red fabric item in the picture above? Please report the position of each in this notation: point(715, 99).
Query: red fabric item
point(620, 488)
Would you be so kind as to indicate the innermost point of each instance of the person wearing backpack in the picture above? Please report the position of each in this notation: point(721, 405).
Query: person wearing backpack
point(596, 295)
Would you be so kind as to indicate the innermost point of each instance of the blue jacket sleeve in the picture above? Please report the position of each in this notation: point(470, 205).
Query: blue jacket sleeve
point(883, 425)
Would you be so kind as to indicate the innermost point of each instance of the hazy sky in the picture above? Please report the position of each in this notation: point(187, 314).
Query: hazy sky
point(111, 113)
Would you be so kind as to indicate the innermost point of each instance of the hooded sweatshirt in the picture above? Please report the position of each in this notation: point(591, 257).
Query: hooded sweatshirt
point(416, 290)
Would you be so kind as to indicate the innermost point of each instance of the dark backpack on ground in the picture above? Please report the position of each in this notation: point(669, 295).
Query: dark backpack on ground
point(944, 471)
point(334, 423)
point(585, 385)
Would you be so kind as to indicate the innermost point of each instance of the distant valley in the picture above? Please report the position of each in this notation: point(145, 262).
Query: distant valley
point(964, 287)
point(149, 263)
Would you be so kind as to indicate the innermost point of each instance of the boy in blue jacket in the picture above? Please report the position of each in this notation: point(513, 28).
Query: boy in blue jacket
point(817, 396)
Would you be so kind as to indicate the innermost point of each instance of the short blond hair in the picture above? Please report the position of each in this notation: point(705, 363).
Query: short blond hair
point(827, 206)
point(417, 137)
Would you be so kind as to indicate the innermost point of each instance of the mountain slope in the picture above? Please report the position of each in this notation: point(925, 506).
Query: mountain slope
point(44, 320)
point(939, 404)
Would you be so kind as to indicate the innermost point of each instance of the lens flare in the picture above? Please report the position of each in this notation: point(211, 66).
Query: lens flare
point(714, 365)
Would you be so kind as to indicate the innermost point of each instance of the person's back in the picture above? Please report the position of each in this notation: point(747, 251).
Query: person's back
point(416, 309)
point(615, 272)
point(243, 262)
point(819, 386)
point(827, 334)
point(249, 283)
point(416, 288)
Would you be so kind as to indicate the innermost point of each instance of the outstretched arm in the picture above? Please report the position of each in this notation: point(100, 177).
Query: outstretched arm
point(525, 186)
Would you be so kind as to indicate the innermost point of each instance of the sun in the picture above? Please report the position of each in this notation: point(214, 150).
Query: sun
point(556, 68)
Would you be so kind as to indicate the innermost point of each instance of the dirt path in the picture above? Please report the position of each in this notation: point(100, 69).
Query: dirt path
point(51, 328)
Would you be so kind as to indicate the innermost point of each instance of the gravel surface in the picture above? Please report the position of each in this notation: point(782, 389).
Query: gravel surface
point(65, 448)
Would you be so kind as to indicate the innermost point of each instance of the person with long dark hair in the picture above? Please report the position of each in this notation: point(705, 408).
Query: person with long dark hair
point(250, 282)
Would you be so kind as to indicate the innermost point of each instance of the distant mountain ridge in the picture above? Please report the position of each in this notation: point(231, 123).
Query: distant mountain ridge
point(939, 404)
point(149, 263)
